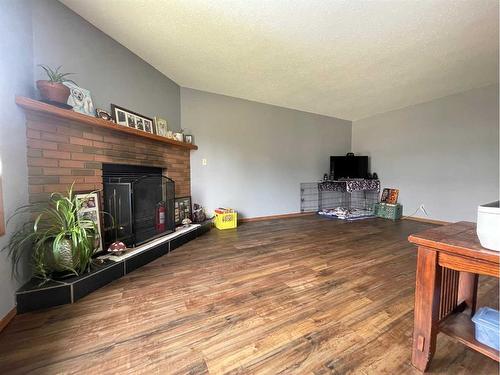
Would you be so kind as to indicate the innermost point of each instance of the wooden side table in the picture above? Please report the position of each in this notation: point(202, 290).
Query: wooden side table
point(450, 258)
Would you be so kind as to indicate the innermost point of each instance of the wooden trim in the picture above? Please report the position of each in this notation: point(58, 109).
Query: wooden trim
point(7, 318)
point(2, 216)
point(466, 264)
point(274, 217)
point(65, 114)
point(424, 220)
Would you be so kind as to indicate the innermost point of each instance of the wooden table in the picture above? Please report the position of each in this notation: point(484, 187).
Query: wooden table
point(450, 258)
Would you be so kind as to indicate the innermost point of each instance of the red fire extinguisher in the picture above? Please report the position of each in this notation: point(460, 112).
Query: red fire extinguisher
point(160, 217)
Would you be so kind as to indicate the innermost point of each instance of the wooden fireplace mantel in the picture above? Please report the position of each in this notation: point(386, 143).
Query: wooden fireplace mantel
point(38, 106)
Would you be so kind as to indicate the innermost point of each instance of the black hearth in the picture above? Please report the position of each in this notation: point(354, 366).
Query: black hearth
point(141, 202)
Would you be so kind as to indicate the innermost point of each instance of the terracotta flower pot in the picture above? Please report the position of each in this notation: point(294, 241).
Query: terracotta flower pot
point(55, 92)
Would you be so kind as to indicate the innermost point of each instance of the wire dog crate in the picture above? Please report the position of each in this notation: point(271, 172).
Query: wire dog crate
point(309, 197)
point(355, 197)
point(356, 200)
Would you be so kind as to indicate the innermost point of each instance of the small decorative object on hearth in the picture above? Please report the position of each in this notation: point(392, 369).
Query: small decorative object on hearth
point(131, 119)
point(57, 239)
point(117, 248)
point(199, 215)
point(105, 115)
point(186, 222)
point(188, 138)
point(161, 126)
point(53, 90)
point(182, 209)
point(79, 99)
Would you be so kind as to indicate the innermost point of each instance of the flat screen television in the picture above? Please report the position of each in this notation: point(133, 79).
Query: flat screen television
point(349, 166)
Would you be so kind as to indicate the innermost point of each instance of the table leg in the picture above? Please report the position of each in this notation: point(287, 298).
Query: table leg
point(427, 294)
point(467, 290)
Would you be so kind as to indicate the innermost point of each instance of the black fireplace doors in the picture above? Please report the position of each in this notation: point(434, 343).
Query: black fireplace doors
point(140, 201)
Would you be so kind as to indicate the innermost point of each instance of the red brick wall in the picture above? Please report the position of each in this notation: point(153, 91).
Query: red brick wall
point(61, 151)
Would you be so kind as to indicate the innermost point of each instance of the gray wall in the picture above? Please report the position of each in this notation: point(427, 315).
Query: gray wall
point(257, 154)
point(46, 32)
point(16, 67)
point(111, 72)
point(443, 154)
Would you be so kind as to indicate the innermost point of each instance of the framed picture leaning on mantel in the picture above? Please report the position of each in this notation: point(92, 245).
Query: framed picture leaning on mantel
point(161, 126)
point(126, 117)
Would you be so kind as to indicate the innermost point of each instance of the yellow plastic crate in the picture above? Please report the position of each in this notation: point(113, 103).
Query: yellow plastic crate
point(226, 220)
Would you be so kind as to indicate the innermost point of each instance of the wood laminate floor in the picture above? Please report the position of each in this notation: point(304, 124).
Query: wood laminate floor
point(295, 296)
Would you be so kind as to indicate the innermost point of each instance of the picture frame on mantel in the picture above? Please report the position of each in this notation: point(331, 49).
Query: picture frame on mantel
point(126, 117)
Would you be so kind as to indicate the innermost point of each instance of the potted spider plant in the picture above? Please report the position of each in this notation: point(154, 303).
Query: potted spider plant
point(53, 89)
point(59, 241)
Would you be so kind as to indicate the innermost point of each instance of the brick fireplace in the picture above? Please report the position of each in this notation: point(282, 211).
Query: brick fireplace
point(64, 147)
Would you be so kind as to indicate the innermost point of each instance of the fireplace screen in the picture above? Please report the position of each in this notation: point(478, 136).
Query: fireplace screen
point(140, 201)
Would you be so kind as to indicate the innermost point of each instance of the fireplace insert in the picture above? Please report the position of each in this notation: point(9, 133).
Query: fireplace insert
point(140, 201)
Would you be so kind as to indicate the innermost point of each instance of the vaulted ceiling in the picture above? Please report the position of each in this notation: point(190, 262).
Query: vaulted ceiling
point(348, 59)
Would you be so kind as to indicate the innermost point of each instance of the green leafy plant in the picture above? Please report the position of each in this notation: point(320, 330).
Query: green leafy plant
point(57, 238)
point(54, 75)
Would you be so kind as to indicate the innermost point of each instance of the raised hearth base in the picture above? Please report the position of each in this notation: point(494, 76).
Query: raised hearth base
point(33, 296)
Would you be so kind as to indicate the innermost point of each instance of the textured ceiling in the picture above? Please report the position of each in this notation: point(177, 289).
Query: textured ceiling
point(348, 59)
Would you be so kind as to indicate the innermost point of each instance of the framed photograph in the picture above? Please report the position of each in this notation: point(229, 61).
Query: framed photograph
point(188, 138)
point(148, 126)
point(182, 209)
point(121, 117)
point(161, 126)
point(139, 123)
point(393, 196)
point(389, 196)
point(384, 196)
point(90, 210)
point(131, 121)
point(126, 117)
point(80, 99)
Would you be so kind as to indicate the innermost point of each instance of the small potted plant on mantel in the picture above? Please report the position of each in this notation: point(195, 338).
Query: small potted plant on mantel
point(59, 242)
point(53, 90)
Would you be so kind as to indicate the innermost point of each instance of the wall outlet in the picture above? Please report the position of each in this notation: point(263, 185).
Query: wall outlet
point(203, 161)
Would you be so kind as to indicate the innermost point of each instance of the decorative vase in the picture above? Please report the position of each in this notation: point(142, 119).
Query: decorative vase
point(63, 258)
point(52, 91)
